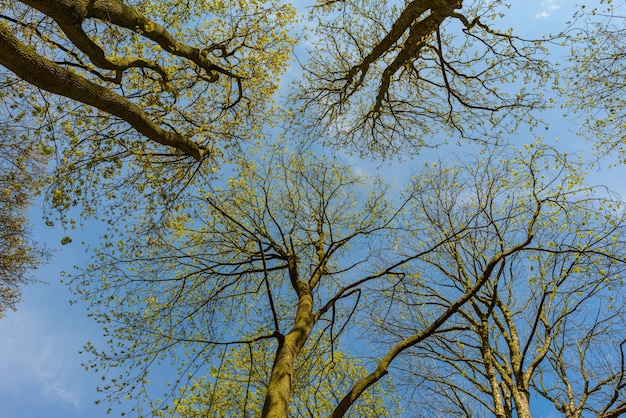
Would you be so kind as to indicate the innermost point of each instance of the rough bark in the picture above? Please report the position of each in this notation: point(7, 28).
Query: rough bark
point(279, 389)
point(499, 404)
point(522, 404)
point(45, 74)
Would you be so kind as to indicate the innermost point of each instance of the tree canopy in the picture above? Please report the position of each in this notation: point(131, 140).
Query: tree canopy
point(21, 170)
point(548, 312)
point(595, 81)
point(270, 279)
point(394, 77)
point(259, 263)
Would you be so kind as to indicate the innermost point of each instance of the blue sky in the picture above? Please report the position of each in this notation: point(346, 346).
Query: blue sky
point(40, 368)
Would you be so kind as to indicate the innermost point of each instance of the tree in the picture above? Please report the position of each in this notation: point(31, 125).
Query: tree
point(549, 320)
point(187, 75)
point(21, 165)
point(595, 82)
point(268, 264)
point(389, 78)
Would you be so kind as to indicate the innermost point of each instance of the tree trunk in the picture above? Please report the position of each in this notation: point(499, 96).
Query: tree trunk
point(522, 404)
point(279, 389)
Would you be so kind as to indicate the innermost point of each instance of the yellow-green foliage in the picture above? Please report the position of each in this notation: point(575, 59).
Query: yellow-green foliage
point(235, 386)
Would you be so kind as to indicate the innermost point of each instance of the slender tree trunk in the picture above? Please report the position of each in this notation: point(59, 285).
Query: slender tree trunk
point(279, 389)
point(499, 404)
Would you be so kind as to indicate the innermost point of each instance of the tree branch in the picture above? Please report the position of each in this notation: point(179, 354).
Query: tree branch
point(46, 75)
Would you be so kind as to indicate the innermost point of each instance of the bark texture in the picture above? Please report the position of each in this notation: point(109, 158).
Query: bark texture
point(47, 75)
point(279, 389)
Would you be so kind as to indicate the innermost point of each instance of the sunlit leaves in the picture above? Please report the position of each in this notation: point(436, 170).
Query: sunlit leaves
point(212, 266)
point(594, 86)
point(223, 267)
point(213, 69)
point(235, 386)
point(390, 78)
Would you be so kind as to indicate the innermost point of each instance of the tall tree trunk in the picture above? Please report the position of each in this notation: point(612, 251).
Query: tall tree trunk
point(279, 390)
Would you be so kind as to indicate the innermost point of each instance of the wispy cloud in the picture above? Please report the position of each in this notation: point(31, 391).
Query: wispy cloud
point(55, 387)
point(36, 360)
point(546, 9)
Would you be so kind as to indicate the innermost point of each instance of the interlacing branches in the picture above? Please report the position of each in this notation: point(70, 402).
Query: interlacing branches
point(389, 77)
point(543, 318)
point(144, 65)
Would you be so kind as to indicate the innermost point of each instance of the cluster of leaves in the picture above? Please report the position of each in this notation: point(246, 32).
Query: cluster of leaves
point(237, 385)
point(197, 77)
point(596, 83)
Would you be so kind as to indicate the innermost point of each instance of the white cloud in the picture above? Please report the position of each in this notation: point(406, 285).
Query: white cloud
point(36, 357)
point(55, 387)
point(546, 9)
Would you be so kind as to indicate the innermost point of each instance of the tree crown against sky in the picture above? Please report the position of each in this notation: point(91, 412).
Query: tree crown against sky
point(541, 324)
point(21, 169)
point(595, 84)
point(281, 265)
point(391, 78)
point(247, 269)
